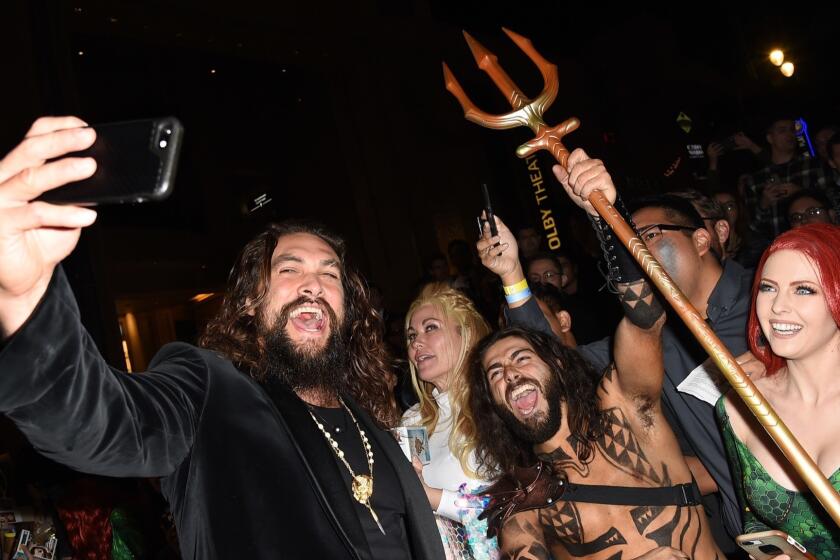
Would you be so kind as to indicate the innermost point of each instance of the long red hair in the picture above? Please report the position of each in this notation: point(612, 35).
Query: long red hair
point(85, 511)
point(821, 244)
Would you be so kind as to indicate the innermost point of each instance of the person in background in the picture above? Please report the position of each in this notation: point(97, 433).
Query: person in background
point(733, 214)
point(714, 218)
point(441, 328)
point(553, 304)
point(821, 138)
point(595, 318)
point(832, 149)
point(529, 241)
point(786, 172)
point(809, 207)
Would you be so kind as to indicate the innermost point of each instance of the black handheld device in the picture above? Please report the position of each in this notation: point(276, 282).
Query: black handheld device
point(488, 210)
point(136, 161)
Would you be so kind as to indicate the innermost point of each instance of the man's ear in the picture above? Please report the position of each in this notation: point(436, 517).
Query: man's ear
point(702, 240)
point(722, 231)
point(565, 320)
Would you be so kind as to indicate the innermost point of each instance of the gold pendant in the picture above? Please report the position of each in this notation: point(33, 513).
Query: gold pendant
point(362, 488)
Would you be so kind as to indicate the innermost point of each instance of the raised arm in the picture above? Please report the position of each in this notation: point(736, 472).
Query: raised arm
point(500, 255)
point(36, 236)
point(638, 347)
point(54, 384)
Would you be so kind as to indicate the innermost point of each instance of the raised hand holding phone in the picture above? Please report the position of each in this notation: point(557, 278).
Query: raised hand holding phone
point(136, 162)
point(500, 253)
point(36, 236)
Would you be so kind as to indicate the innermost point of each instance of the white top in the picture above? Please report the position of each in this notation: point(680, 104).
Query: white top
point(444, 471)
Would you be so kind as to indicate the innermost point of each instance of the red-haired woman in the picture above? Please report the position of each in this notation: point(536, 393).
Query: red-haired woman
point(96, 529)
point(793, 330)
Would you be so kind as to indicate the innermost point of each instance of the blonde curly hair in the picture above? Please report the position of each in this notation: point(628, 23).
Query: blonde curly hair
point(460, 311)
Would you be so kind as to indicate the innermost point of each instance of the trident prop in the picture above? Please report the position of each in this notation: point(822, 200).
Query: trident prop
point(530, 113)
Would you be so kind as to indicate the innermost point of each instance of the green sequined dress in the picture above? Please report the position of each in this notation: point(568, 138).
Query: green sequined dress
point(768, 505)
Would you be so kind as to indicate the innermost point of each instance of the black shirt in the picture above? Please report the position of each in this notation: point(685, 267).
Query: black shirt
point(387, 499)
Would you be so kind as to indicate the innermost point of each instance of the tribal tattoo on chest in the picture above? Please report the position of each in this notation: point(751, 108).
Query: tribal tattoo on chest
point(561, 524)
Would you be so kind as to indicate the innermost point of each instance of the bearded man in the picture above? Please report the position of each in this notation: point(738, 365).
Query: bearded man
point(269, 441)
point(588, 467)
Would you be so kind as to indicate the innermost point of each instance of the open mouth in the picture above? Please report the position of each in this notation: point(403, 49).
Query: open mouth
point(308, 318)
point(423, 360)
point(523, 399)
point(785, 329)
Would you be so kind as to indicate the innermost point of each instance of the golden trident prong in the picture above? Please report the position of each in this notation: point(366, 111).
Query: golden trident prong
point(530, 114)
point(527, 113)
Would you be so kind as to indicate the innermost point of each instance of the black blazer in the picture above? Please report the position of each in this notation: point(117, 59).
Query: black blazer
point(245, 476)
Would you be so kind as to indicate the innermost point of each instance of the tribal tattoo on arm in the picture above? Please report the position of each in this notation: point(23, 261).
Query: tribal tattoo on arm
point(641, 306)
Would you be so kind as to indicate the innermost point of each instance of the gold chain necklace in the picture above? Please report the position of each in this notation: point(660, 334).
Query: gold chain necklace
point(362, 484)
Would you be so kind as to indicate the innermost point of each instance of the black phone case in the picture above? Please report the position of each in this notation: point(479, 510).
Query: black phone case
point(132, 164)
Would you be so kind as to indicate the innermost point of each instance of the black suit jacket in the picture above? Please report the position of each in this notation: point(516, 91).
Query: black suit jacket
point(246, 476)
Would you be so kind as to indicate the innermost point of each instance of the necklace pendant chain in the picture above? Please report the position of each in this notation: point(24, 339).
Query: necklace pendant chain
point(361, 484)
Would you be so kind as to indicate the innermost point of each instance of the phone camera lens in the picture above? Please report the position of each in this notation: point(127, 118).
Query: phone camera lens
point(163, 138)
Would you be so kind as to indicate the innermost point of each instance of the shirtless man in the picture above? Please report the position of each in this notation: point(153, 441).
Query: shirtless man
point(610, 480)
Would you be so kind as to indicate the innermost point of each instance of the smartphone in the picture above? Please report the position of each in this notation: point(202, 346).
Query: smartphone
point(768, 544)
point(728, 144)
point(488, 210)
point(136, 161)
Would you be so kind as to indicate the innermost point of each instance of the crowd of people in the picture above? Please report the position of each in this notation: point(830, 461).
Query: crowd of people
point(541, 412)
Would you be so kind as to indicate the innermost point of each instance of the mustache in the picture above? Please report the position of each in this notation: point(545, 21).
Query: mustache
point(282, 318)
point(511, 388)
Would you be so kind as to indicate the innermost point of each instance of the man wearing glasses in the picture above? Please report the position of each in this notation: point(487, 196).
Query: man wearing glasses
point(675, 233)
point(595, 316)
point(809, 207)
point(714, 219)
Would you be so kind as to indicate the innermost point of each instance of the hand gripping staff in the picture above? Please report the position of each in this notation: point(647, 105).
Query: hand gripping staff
point(530, 113)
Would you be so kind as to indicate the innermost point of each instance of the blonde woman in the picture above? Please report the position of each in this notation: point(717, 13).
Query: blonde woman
point(442, 327)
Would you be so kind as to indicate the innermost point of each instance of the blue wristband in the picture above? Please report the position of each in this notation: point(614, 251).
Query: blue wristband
point(518, 296)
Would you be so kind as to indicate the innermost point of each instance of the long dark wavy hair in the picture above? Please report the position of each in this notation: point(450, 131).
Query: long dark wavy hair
point(235, 331)
point(497, 449)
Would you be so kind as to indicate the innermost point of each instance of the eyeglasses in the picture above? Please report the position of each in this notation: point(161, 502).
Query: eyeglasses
point(812, 212)
point(545, 276)
point(653, 232)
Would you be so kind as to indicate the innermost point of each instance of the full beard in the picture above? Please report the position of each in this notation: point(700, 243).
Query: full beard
point(540, 426)
point(303, 366)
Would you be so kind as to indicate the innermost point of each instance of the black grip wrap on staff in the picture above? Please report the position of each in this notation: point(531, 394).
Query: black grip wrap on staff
point(622, 268)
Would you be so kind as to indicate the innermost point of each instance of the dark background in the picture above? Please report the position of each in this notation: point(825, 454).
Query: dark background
point(338, 112)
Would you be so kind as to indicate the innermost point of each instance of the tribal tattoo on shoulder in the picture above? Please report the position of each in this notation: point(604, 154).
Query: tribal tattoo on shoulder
point(561, 460)
point(619, 446)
